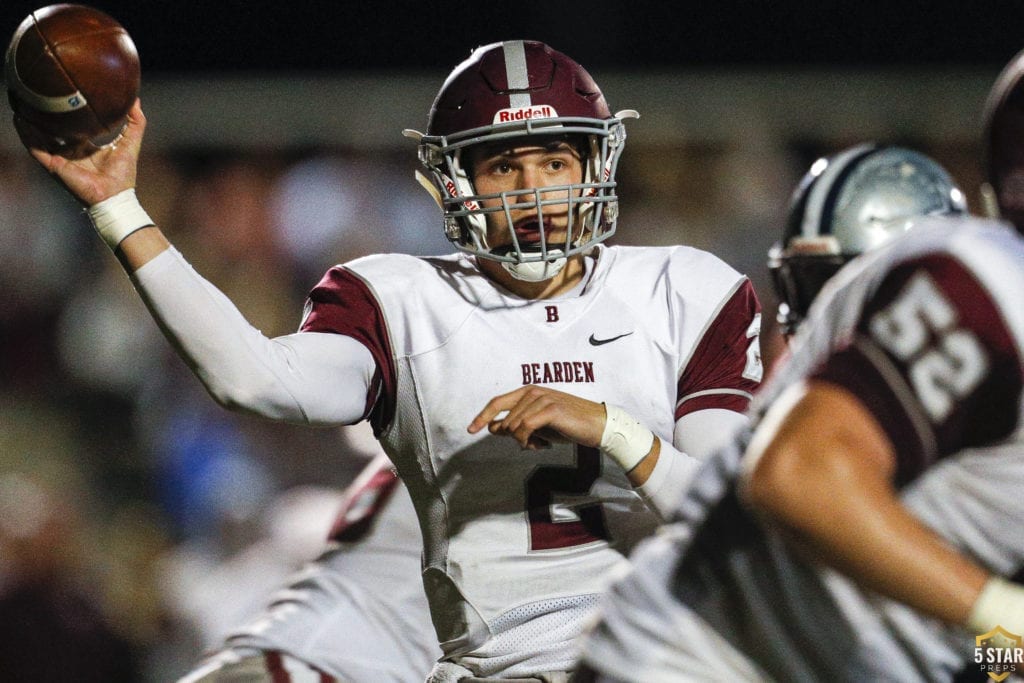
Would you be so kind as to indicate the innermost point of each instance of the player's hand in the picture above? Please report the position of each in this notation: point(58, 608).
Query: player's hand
point(104, 173)
point(537, 416)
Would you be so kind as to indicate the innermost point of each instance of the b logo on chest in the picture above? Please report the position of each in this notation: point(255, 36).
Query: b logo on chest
point(552, 372)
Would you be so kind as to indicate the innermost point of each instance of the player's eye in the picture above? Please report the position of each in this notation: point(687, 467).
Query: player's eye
point(502, 167)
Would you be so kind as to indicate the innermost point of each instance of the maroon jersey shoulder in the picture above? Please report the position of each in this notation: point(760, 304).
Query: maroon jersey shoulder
point(343, 303)
point(725, 368)
point(934, 361)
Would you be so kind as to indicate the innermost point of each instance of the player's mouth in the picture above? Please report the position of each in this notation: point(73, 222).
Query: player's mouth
point(529, 231)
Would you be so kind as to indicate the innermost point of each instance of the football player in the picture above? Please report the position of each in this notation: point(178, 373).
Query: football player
point(356, 613)
point(613, 369)
point(868, 527)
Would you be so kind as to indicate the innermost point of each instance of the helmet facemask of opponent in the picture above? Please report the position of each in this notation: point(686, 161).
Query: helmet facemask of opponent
point(512, 94)
point(846, 205)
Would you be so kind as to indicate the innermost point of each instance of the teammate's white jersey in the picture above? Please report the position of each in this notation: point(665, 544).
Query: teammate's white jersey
point(928, 332)
point(518, 544)
point(358, 612)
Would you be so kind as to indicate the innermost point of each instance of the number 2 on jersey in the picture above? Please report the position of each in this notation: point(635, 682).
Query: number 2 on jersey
point(548, 482)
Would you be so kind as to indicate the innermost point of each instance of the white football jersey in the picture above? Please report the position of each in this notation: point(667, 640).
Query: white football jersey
point(358, 612)
point(518, 544)
point(928, 332)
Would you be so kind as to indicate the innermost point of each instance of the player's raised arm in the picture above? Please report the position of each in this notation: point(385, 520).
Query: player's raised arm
point(295, 378)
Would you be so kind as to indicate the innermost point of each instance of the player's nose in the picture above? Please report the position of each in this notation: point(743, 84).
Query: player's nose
point(530, 177)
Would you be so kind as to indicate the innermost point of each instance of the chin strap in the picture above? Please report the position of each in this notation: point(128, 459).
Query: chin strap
point(536, 271)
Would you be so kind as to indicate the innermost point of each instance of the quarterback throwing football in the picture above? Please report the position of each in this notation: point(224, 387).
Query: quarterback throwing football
point(542, 395)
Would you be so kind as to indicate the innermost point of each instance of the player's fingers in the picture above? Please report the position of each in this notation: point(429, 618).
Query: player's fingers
point(527, 437)
point(47, 160)
point(496, 405)
point(537, 443)
point(503, 411)
point(533, 421)
point(135, 113)
point(538, 438)
point(531, 413)
point(135, 128)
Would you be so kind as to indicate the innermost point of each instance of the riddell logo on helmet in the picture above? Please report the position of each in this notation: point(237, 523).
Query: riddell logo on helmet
point(544, 111)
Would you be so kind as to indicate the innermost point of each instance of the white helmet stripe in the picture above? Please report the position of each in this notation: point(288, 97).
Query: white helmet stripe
point(814, 214)
point(515, 71)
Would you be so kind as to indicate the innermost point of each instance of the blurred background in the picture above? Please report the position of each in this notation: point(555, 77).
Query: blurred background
point(137, 519)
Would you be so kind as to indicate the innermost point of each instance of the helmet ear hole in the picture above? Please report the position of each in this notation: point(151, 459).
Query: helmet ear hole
point(472, 223)
point(591, 157)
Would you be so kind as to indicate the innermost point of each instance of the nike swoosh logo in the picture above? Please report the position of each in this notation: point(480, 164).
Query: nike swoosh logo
point(594, 341)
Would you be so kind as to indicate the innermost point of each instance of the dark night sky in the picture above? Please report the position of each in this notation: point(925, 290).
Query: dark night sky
point(236, 36)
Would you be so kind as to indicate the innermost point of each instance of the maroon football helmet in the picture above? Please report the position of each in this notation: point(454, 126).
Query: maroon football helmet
point(510, 90)
point(1003, 143)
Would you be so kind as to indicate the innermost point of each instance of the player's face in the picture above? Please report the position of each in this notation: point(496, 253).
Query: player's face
point(526, 167)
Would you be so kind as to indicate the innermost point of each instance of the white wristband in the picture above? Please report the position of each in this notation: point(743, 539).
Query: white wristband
point(1001, 603)
point(119, 216)
point(625, 440)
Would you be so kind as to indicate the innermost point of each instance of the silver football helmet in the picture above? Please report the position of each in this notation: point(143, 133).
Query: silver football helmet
point(845, 205)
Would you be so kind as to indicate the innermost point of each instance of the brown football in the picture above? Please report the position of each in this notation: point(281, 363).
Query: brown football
point(72, 74)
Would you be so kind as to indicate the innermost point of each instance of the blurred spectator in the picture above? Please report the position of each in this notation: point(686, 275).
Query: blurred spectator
point(329, 209)
point(107, 342)
point(51, 625)
point(223, 225)
point(412, 217)
point(43, 238)
point(321, 209)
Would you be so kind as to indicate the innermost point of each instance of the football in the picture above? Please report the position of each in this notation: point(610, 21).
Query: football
point(72, 75)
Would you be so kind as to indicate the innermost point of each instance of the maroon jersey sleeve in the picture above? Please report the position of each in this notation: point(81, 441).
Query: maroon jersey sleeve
point(725, 368)
point(342, 303)
point(934, 362)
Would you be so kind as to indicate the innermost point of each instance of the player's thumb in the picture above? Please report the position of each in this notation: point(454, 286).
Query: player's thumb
point(135, 128)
